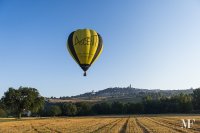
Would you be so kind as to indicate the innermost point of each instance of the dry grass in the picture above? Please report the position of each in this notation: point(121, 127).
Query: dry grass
point(103, 124)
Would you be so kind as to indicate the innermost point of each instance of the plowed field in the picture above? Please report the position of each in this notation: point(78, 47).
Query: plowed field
point(102, 124)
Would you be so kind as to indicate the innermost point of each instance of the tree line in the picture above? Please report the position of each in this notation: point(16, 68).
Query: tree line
point(17, 102)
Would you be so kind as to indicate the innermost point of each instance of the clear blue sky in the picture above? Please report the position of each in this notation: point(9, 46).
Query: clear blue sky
point(149, 44)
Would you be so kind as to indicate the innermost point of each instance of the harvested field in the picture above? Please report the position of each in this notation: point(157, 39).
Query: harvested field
point(102, 124)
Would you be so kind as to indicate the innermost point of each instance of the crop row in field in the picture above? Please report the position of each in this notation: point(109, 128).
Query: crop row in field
point(112, 124)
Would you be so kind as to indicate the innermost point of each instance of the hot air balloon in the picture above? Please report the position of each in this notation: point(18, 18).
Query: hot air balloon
point(85, 46)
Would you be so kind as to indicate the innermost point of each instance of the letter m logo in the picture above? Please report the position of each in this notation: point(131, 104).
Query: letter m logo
point(187, 123)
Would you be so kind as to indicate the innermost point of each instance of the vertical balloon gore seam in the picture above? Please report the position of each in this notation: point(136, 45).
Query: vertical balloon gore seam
point(98, 49)
point(71, 47)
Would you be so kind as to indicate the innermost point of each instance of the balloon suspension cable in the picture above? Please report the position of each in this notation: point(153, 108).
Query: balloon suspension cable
point(84, 73)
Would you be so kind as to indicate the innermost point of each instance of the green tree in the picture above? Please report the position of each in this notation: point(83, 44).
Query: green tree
point(101, 108)
point(69, 109)
point(2, 113)
point(117, 108)
point(185, 103)
point(134, 108)
point(23, 99)
point(196, 98)
point(54, 110)
point(83, 108)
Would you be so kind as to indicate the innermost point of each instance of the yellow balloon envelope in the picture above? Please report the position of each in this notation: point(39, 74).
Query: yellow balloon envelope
point(85, 46)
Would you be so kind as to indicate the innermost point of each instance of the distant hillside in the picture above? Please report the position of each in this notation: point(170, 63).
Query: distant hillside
point(128, 91)
point(126, 94)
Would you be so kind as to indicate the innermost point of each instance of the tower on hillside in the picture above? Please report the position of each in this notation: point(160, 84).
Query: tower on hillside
point(129, 86)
